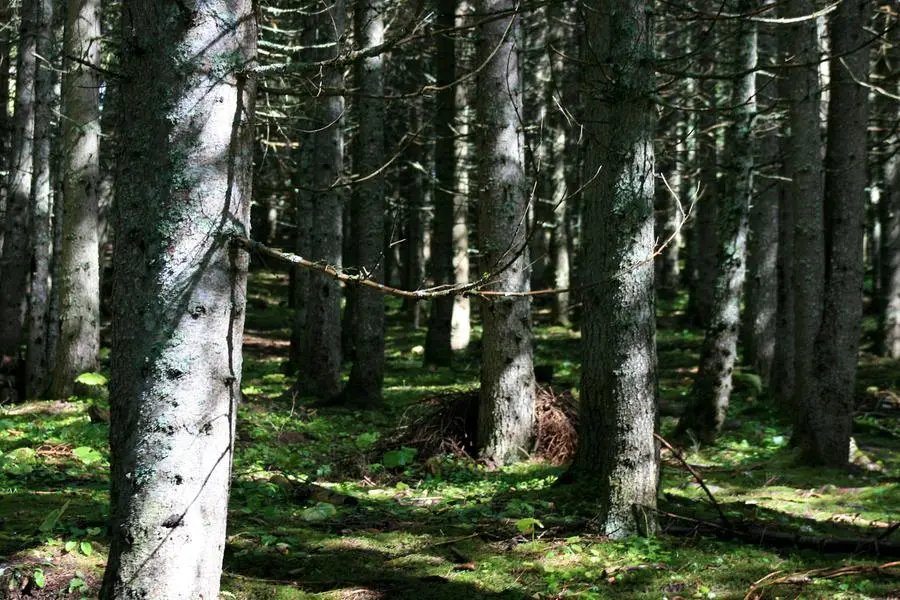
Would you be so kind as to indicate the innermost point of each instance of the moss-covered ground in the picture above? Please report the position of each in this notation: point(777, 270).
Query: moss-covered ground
point(447, 527)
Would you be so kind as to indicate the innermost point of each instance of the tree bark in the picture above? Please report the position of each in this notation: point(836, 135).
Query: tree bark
point(617, 450)
point(558, 162)
point(803, 164)
point(460, 323)
point(438, 347)
point(183, 193)
point(762, 261)
point(78, 344)
point(322, 359)
point(367, 210)
point(889, 203)
point(783, 375)
point(506, 408)
point(710, 393)
point(704, 227)
point(826, 439)
point(15, 256)
point(37, 363)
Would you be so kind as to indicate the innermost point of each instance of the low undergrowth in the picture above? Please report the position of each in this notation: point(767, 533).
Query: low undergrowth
point(332, 503)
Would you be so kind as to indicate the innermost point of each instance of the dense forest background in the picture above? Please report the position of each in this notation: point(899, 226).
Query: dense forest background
point(571, 242)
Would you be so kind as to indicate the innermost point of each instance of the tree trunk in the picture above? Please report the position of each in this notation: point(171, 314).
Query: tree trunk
point(803, 164)
point(367, 208)
point(36, 358)
point(783, 375)
point(15, 257)
point(78, 345)
point(710, 393)
point(558, 162)
point(506, 409)
point(826, 439)
point(183, 192)
point(762, 282)
point(460, 324)
point(322, 359)
point(889, 203)
point(5, 121)
point(704, 233)
point(616, 449)
point(438, 348)
point(414, 189)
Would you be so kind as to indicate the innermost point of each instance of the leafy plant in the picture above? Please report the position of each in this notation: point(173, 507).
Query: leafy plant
point(87, 455)
point(395, 459)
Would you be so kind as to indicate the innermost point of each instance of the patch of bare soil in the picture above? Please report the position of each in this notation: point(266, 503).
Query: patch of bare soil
point(58, 576)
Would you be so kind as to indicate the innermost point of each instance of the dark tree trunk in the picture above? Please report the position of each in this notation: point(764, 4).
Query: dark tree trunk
point(321, 361)
point(78, 345)
point(706, 209)
point(783, 375)
point(803, 164)
point(367, 210)
point(14, 259)
point(414, 189)
point(710, 393)
point(438, 347)
point(506, 410)
point(617, 451)
point(889, 204)
point(762, 260)
point(826, 439)
point(37, 361)
point(183, 192)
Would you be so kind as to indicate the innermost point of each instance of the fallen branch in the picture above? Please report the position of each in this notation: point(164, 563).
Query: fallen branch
point(757, 589)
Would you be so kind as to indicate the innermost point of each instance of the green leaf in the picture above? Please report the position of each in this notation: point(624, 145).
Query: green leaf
point(52, 518)
point(76, 584)
point(71, 545)
point(398, 458)
point(87, 455)
point(528, 524)
point(86, 548)
point(91, 379)
point(268, 540)
point(39, 579)
point(320, 512)
point(365, 441)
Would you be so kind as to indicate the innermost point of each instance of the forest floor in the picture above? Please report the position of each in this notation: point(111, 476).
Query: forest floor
point(385, 521)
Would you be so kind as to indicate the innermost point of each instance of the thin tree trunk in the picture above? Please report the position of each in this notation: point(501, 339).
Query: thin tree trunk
point(889, 203)
point(5, 120)
point(803, 164)
point(762, 262)
point(14, 259)
point(183, 192)
point(783, 375)
point(78, 345)
point(322, 359)
point(558, 163)
point(710, 393)
point(438, 347)
point(36, 358)
point(414, 189)
point(460, 324)
point(705, 242)
point(367, 208)
point(617, 451)
point(826, 440)
point(506, 409)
